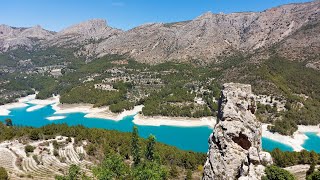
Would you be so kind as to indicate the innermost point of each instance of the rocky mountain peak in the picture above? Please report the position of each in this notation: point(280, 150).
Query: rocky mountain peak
point(36, 32)
point(81, 34)
point(6, 30)
point(85, 28)
point(235, 150)
point(13, 37)
point(206, 15)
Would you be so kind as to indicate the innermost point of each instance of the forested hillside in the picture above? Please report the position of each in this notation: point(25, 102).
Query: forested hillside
point(114, 152)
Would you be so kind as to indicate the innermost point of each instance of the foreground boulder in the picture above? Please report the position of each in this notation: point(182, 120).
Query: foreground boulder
point(235, 150)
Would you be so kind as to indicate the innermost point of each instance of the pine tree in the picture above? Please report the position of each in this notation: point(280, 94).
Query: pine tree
point(150, 147)
point(311, 169)
point(135, 146)
point(8, 122)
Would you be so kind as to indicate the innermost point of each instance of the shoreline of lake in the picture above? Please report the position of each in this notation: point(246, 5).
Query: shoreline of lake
point(142, 120)
point(295, 141)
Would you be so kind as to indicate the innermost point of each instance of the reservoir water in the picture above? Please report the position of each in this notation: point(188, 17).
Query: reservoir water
point(186, 138)
point(313, 142)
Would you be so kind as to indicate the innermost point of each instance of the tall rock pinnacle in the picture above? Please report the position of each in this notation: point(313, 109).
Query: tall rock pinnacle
point(235, 150)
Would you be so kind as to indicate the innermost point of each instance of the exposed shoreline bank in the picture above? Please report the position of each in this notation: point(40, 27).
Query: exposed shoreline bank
point(94, 112)
point(139, 119)
point(296, 140)
point(21, 103)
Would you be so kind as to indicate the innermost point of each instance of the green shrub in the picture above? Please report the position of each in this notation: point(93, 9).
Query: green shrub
point(91, 149)
point(34, 135)
point(29, 149)
point(69, 140)
point(55, 153)
point(189, 175)
point(35, 157)
point(276, 173)
point(314, 176)
point(3, 174)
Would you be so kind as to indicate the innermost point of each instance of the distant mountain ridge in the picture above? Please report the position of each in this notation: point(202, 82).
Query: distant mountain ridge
point(206, 38)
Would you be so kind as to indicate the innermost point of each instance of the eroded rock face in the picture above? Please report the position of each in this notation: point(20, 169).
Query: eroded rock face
point(235, 150)
point(12, 38)
point(205, 39)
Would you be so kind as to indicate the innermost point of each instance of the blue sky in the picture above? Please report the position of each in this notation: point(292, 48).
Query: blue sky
point(124, 14)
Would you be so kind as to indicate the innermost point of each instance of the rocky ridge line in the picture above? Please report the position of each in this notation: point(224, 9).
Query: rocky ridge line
point(207, 38)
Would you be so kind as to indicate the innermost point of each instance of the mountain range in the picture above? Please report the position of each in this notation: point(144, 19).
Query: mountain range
point(293, 29)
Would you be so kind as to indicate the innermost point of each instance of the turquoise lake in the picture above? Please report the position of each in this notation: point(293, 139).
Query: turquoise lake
point(313, 142)
point(186, 138)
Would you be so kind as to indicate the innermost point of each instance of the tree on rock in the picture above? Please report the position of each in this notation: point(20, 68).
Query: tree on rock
point(3, 174)
point(135, 146)
point(8, 122)
point(150, 147)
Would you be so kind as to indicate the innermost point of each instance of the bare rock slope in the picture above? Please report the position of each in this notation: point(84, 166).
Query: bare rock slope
point(207, 38)
point(88, 32)
point(211, 36)
point(235, 150)
point(12, 38)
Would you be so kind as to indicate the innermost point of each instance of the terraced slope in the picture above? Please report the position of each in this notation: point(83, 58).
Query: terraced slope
point(42, 163)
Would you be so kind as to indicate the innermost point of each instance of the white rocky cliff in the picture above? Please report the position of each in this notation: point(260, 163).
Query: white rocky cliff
point(235, 150)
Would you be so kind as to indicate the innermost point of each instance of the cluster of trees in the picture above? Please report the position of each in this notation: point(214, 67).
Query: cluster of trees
point(166, 109)
point(104, 142)
point(74, 173)
point(211, 101)
point(177, 97)
point(283, 126)
point(120, 106)
point(292, 78)
point(276, 173)
point(144, 163)
point(88, 94)
point(313, 174)
point(174, 102)
point(261, 108)
point(287, 158)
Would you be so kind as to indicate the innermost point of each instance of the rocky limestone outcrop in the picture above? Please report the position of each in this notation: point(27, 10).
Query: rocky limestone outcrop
point(208, 38)
point(85, 33)
point(12, 38)
point(235, 150)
